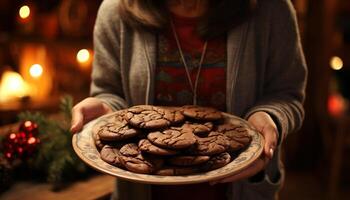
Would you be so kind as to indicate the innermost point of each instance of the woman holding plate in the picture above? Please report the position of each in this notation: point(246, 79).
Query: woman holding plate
point(243, 57)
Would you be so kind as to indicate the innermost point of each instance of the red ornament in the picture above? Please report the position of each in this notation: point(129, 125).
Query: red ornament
point(9, 155)
point(22, 144)
point(29, 128)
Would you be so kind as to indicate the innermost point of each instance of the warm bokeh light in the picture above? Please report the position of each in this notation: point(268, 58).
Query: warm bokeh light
point(24, 12)
point(12, 85)
point(336, 63)
point(8, 155)
point(13, 136)
point(31, 140)
point(83, 56)
point(28, 124)
point(336, 105)
point(36, 70)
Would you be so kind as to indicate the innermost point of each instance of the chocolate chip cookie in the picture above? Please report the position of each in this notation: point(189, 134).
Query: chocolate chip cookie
point(215, 143)
point(98, 142)
point(146, 146)
point(115, 128)
point(200, 129)
point(152, 117)
point(238, 135)
point(135, 161)
point(115, 131)
point(216, 162)
point(201, 113)
point(112, 156)
point(173, 138)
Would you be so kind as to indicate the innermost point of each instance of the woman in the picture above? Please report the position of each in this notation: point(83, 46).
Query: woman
point(240, 56)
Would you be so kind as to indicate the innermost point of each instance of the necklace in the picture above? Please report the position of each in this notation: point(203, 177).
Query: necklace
point(195, 85)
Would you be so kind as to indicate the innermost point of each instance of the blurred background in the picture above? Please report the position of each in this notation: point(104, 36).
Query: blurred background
point(45, 63)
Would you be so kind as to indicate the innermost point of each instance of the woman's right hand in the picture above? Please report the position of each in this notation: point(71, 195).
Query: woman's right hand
point(87, 110)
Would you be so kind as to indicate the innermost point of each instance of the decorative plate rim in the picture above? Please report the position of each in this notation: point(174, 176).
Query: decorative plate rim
point(86, 150)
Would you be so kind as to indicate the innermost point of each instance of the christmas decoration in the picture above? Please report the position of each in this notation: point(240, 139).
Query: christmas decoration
point(22, 144)
point(43, 147)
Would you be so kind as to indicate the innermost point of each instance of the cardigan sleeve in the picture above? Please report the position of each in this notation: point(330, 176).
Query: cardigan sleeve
point(106, 78)
point(286, 71)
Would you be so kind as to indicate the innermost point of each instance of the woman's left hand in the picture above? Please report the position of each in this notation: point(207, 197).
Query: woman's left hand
point(267, 127)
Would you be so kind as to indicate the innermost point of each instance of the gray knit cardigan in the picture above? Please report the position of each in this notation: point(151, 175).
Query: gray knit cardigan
point(266, 71)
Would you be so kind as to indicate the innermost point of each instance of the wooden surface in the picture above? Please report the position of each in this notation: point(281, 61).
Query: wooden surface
point(97, 187)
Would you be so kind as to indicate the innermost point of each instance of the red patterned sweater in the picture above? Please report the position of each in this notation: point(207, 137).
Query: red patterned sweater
point(172, 87)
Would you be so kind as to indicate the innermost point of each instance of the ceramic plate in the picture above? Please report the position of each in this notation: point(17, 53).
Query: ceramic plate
point(84, 147)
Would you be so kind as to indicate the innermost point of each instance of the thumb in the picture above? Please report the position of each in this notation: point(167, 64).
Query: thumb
point(270, 136)
point(77, 120)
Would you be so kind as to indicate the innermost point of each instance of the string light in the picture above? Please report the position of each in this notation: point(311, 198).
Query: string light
point(83, 56)
point(336, 63)
point(36, 70)
point(24, 12)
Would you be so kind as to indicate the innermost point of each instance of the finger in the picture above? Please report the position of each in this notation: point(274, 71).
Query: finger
point(107, 108)
point(77, 120)
point(270, 136)
point(248, 172)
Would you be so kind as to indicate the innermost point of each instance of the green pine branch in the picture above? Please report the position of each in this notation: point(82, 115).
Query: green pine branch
point(56, 157)
point(66, 106)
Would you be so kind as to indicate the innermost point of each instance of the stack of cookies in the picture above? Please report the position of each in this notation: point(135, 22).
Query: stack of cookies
point(168, 140)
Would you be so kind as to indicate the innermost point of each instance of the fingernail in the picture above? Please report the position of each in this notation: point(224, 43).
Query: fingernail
point(271, 152)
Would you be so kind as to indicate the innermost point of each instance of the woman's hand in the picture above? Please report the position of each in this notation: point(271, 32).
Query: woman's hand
point(267, 127)
point(86, 110)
